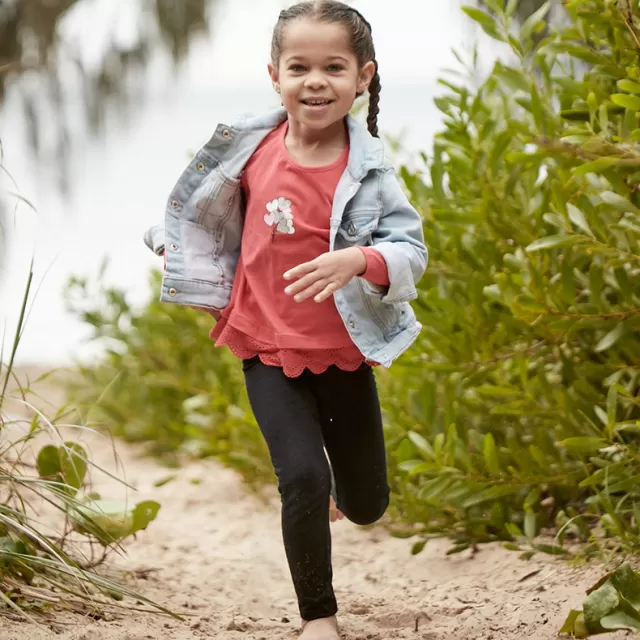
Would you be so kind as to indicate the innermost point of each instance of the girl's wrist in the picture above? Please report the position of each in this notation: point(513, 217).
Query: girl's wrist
point(362, 261)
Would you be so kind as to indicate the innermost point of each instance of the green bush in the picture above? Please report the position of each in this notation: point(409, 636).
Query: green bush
point(517, 410)
point(162, 382)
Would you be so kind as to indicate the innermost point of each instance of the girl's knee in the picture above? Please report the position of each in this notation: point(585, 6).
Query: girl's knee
point(306, 482)
point(368, 510)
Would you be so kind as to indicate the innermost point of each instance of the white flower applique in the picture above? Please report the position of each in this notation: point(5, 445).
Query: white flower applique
point(280, 217)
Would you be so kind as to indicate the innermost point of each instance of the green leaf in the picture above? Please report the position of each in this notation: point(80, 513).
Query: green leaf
point(617, 201)
point(551, 549)
point(418, 547)
point(487, 23)
point(512, 5)
point(551, 242)
point(163, 481)
point(143, 515)
point(629, 86)
point(626, 101)
point(595, 166)
point(611, 338)
point(422, 445)
point(612, 406)
point(620, 620)
point(600, 603)
point(489, 495)
point(530, 524)
point(530, 25)
point(491, 458)
point(48, 462)
point(627, 582)
point(569, 623)
point(73, 464)
point(578, 218)
point(584, 444)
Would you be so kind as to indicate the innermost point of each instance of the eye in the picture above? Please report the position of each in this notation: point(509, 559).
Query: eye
point(335, 68)
point(296, 68)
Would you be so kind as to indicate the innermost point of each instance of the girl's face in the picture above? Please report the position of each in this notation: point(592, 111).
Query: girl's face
point(318, 73)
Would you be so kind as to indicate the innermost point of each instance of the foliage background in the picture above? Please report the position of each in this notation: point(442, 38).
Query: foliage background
point(516, 412)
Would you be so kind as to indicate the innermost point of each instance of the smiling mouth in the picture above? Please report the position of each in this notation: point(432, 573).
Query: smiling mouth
point(317, 102)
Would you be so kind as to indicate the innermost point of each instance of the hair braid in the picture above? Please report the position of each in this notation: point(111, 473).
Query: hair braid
point(374, 103)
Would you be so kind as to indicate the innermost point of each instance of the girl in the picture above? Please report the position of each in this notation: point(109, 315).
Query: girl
point(293, 232)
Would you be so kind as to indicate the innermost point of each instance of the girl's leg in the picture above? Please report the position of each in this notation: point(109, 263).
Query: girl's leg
point(351, 420)
point(286, 412)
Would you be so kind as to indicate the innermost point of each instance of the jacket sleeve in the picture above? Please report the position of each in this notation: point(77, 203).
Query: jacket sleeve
point(154, 239)
point(400, 239)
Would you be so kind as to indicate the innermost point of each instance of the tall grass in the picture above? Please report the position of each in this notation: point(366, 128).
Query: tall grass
point(55, 535)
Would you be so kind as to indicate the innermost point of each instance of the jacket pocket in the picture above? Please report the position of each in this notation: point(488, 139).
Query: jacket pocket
point(386, 316)
point(358, 229)
point(214, 200)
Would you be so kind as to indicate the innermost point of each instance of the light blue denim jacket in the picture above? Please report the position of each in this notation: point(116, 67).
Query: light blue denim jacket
point(204, 221)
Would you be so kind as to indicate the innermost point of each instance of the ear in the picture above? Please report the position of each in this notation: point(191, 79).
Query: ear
point(365, 76)
point(273, 74)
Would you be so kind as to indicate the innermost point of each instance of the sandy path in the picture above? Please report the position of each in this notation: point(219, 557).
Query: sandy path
point(216, 552)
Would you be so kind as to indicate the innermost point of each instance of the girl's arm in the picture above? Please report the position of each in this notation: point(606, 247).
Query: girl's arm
point(399, 238)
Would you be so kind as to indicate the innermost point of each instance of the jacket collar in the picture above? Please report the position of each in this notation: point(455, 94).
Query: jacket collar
point(366, 152)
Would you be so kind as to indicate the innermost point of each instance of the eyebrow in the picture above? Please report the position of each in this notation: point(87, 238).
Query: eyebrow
point(332, 58)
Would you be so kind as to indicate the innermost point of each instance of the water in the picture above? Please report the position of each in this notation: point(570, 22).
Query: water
point(120, 185)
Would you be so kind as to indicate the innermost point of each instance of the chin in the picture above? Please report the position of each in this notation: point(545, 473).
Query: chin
point(320, 122)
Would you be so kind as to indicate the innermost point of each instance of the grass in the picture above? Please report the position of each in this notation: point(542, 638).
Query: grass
point(55, 535)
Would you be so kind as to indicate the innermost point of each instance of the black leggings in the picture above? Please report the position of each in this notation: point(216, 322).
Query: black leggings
point(299, 418)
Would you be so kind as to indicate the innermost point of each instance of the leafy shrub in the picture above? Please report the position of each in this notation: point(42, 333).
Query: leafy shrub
point(162, 382)
point(518, 409)
point(611, 604)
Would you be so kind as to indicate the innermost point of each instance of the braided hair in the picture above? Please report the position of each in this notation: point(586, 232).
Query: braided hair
point(361, 41)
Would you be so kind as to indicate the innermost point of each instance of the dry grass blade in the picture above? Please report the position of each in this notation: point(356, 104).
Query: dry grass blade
point(18, 609)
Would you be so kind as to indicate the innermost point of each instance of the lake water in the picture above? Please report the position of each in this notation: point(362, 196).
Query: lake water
point(120, 183)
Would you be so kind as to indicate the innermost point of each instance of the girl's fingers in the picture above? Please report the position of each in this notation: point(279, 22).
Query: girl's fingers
point(303, 283)
point(327, 292)
point(300, 270)
point(312, 290)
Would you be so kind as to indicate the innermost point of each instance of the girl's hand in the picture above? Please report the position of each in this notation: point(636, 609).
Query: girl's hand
point(325, 275)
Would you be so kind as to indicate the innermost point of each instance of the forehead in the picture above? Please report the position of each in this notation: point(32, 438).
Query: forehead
point(305, 38)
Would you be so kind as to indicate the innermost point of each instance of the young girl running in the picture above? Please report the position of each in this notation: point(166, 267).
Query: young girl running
point(294, 233)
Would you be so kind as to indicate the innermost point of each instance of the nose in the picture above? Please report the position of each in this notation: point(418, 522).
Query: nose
point(315, 80)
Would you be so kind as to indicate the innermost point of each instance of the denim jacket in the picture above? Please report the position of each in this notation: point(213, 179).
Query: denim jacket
point(204, 218)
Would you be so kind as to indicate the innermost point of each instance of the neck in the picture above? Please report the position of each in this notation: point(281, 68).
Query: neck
point(335, 135)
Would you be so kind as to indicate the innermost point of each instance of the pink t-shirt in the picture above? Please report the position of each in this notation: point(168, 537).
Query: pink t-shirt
point(288, 211)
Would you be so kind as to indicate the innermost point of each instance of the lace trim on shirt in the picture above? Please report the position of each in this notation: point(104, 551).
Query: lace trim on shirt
point(292, 361)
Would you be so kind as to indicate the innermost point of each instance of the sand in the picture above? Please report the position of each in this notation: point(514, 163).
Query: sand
point(215, 553)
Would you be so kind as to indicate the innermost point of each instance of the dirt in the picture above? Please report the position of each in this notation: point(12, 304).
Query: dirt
point(215, 553)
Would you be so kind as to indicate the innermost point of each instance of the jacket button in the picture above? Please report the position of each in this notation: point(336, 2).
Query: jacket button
point(226, 134)
point(172, 293)
point(174, 247)
point(175, 204)
point(200, 166)
point(351, 230)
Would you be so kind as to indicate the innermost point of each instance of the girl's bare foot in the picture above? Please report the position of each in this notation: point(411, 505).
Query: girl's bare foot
point(322, 629)
point(334, 512)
